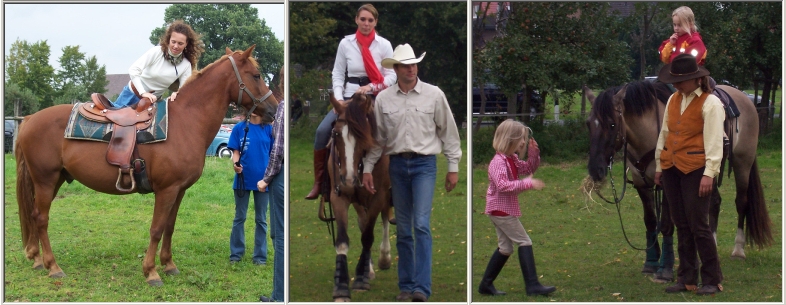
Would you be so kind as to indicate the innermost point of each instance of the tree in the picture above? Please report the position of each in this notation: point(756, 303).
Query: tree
point(78, 77)
point(28, 102)
point(646, 28)
point(558, 47)
point(27, 66)
point(236, 26)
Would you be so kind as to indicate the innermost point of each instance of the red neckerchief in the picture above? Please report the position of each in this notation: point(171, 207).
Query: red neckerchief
point(368, 61)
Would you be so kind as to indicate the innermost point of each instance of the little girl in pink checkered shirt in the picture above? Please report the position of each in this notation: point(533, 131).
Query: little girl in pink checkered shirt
point(511, 140)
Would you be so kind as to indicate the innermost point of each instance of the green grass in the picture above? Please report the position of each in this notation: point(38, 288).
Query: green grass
point(99, 240)
point(312, 256)
point(579, 246)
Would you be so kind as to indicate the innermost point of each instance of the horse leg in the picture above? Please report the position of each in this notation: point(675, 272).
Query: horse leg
point(651, 223)
point(741, 172)
point(715, 203)
point(165, 201)
point(666, 265)
point(165, 255)
point(341, 291)
point(45, 192)
point(365, 269)
point(384, 260)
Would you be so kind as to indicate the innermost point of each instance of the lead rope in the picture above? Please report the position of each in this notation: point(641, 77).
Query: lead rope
point(241, 181)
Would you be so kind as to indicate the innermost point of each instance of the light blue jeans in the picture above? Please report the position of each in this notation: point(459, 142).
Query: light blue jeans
point(413, 182)
point(126, 98)
point(237, 239)
point(276, 190)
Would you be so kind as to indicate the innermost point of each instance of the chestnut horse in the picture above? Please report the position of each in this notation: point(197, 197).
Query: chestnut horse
point(45, 159)
point(632, 116)
point(353, 134)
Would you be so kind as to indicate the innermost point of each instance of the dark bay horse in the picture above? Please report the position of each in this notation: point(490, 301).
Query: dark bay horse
point(632, 115)
point(45, 159)
point(352, 136)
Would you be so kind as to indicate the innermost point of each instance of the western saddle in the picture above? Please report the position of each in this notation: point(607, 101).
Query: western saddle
point(126, 122)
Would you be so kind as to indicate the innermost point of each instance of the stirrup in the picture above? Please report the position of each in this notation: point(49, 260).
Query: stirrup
point(120, 177)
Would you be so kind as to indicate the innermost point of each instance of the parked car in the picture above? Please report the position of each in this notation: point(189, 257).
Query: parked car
point(218, 148)
point(8, 131)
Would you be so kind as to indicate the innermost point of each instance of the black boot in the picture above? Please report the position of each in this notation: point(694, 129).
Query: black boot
point(495, 265)
point(527, 261)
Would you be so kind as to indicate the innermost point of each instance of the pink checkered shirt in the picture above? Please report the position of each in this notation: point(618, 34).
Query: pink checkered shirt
point(504, 189)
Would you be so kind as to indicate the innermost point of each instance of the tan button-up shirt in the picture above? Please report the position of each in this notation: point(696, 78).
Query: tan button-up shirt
point(713, 115)
point(418, 121)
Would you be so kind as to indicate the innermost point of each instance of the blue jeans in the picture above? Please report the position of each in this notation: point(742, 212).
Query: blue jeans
point(126, 98)
point(413, 182)
point(276, 190)
point(237, 240)
point(322, 137)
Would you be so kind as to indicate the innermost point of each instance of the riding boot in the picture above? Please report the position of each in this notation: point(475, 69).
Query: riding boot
point(653, 253)
point(320, 156)
point(666, 270)
point(527, 261)
point(495, 265)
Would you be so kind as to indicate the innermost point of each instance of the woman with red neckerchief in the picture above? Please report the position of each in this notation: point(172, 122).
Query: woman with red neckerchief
point(357, 69)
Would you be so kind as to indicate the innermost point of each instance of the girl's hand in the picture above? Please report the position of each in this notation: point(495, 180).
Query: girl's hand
point(238, 168)
point(536, 183)
point(364, 89)
point(150, 96)
point(673, 39)
point(173, 96)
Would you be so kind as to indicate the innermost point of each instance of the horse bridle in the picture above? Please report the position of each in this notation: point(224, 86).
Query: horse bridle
point(243, 87)
point(335, 133)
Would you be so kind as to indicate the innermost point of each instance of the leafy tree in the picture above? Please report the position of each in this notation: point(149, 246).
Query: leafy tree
point(558, 47)
point(13, 93)
point(648, 25)
point(236, 26)
point(312, 36)
point(78, 77)
point(27, 66)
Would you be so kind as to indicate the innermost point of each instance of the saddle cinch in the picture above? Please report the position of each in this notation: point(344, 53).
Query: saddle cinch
point(122, 145)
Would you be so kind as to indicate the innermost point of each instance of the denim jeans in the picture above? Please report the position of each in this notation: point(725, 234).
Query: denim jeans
point(276, 190)
point(413, 182)
point(237, 240)
point(126, 98)
point(322, 136)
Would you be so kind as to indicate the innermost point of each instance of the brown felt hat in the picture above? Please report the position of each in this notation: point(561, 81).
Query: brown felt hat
point(682, 68)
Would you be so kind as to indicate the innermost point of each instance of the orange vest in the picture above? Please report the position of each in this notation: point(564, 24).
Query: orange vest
point(684, 146)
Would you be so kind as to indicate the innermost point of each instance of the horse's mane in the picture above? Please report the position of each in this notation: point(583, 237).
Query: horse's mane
point(362, 125)
point(197, 74)
point(640, 97)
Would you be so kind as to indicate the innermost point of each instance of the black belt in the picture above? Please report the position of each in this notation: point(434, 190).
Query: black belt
point(409, 155)
point(362, 81)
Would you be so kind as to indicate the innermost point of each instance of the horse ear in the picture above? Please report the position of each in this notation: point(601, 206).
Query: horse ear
point(588, 93)
point(620, 97)
point(339, 107)
point(229, 52)
point(249, 51)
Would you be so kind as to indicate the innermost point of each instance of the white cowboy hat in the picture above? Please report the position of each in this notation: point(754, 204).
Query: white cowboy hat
point(402, 55)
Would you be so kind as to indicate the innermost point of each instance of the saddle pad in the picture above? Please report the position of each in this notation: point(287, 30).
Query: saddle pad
point(81, 128)
point(728, 103)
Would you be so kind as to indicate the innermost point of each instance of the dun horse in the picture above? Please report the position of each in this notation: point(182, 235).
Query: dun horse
point(352, 135)
point(45, 160)
point(632, 115)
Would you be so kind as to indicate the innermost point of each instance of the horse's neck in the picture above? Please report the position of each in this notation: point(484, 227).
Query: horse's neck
point(199, 110)
point(642, 131)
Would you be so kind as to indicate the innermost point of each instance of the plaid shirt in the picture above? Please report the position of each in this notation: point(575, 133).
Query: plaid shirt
point(277, 151)
point(503, 191)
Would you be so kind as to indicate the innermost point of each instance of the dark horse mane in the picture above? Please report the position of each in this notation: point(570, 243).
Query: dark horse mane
point(362, 123)
point(640, 97)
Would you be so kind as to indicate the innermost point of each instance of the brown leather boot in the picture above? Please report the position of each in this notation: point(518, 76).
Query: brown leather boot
point(320, 156)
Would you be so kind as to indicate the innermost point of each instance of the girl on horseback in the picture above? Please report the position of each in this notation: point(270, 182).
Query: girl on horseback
point(685, 40)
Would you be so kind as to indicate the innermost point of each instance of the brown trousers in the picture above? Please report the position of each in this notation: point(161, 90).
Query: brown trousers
point(690, 214)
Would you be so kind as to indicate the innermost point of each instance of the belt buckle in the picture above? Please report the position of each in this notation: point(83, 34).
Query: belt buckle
point(408, 155)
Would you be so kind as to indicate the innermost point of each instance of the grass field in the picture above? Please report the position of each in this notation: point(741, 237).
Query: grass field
point(312, 256)
point(99, 240)
point(580, 248)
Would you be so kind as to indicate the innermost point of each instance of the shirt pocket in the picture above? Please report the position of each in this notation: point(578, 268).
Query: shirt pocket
point(424, 117)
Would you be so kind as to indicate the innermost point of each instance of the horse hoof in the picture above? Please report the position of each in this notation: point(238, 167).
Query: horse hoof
point(172, 272)
point(361, 286)
point(155, 283)
point(341, 300)
point(384, 264)
point(57, 275)
point(649, 270)
point(738, 257)
point(38, 267)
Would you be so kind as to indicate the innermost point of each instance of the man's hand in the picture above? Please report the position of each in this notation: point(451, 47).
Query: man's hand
point(261, 185)
point(368, 183)
point(450, 181)
point(705, 187)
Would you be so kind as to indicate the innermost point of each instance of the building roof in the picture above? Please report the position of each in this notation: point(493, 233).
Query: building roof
point(116, 84)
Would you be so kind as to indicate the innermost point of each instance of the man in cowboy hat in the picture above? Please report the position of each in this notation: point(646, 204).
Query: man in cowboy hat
point(414, 123)
point(688, 157)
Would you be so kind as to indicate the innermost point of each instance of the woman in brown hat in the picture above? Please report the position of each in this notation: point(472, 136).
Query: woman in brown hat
point(688, 158)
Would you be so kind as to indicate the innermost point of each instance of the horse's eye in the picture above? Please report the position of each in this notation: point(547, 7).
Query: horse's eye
point(257, 76)
point(613, 125)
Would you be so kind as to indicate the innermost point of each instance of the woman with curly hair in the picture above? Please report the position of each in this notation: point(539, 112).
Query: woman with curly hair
point(169, 63)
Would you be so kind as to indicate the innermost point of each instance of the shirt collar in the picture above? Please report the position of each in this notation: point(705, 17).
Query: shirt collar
point(418, 87)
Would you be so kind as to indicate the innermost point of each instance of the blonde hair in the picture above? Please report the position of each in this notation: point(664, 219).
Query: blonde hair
point(688, 22)
point(508, 134)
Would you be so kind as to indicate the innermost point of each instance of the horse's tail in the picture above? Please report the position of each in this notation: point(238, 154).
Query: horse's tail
point(25, 198)
point(758, 224)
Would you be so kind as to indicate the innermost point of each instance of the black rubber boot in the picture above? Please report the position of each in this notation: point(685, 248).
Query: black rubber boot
point(527, 261)
point(495, 265)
